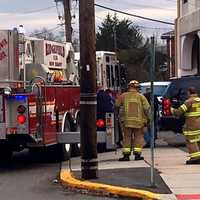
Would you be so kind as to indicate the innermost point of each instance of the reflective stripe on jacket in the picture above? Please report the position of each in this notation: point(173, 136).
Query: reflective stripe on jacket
point(191, 110)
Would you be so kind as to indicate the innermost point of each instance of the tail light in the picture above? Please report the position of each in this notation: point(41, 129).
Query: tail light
point(100, 123)
point(21, 119)
point(21, 109)
point(166, 105)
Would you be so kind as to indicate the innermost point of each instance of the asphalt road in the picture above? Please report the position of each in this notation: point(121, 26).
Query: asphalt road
point(30, 178)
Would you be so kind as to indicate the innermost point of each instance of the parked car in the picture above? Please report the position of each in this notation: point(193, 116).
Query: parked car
point(159, 88)
point(174, 96)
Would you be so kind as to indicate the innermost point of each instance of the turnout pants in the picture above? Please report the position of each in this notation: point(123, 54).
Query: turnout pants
point(133, 137)
point(193, 143)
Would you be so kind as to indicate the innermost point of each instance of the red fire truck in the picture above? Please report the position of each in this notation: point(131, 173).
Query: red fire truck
point(39, 95)
point(37, 102)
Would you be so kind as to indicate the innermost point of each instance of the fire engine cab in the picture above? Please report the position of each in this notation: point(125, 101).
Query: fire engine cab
point(39, 95)
point(37, 99)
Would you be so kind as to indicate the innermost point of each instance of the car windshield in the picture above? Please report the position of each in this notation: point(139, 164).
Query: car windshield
point(158, 89)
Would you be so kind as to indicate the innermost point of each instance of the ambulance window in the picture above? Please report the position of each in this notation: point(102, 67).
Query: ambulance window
point(28, 50)
point(112, 76)
point(107, 59)
point(117, 75)
point(108, 75)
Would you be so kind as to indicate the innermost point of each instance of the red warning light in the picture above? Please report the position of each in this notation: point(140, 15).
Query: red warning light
point(100, 123)
point(21, 119)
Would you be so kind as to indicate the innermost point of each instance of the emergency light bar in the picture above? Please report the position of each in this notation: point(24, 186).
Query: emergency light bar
point(20, 97)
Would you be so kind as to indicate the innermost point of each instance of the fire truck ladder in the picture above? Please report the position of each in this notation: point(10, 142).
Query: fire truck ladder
point(39, 105)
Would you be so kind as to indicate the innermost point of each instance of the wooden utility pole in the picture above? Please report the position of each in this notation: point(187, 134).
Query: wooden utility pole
point(67, 14)
point(89, 163)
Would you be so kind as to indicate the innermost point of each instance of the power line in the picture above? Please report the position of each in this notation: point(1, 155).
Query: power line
point(39, 10)
point(156, 28)
point(138, 16)
point(148, 6)
point(47, 31)
point(142, 27)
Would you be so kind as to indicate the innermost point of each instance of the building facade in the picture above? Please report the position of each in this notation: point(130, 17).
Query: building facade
point(188, 38)
point(170, 44)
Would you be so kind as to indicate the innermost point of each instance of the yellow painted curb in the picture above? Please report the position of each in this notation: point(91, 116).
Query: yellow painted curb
point(67, 178)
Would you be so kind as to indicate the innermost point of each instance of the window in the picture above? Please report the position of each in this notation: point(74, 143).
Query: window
point(108, 75)
point(107, 59)
point(117, 75)
point(112, 76)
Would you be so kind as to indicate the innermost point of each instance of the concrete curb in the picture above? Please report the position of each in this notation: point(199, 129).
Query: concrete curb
point(68, 179)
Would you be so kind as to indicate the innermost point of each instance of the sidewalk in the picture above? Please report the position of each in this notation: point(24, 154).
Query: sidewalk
point(172, 176)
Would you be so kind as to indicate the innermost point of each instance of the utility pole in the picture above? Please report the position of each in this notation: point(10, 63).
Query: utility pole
point(67, 14)
point(89, 163)
point(152, 77)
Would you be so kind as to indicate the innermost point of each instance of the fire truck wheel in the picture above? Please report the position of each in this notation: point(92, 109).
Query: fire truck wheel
point(75, 151)
point(5, 154)
point(69, 126)
point(63, 152)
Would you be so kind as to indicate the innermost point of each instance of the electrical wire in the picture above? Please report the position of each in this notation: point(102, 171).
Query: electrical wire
point(142, 27)
point(148, 6)
point(39, 10)
point(137, 16)
point(47, 31)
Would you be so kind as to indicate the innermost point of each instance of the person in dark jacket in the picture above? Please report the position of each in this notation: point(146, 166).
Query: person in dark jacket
point(105, 103)
point(147, 135)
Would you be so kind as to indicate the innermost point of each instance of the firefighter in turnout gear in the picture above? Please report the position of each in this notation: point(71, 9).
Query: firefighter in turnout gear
point(191, 110)
point(136, 113)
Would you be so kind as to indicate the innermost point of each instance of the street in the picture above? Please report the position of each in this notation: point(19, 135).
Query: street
point(116, 82)
point(29, 178)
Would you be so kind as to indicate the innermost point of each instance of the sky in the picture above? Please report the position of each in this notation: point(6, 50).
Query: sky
point(36, 14)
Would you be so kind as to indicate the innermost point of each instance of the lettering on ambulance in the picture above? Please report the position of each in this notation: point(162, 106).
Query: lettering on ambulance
point(3, 44)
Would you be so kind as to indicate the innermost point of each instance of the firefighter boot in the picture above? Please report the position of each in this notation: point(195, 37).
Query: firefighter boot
point(193, 162)
point(138, 156)
point(125, 158)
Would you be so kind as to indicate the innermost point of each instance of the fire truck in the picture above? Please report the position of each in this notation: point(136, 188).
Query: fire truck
point(39, 95)
point(37, 99)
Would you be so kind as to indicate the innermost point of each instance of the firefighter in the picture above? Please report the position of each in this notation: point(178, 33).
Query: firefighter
point(136, 112)
point(191, 110)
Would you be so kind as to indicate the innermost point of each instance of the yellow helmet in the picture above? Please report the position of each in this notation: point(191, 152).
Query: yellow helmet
point(134, 83)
